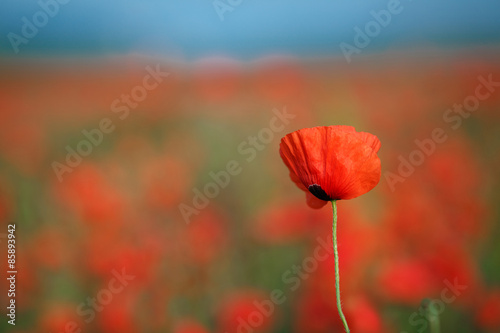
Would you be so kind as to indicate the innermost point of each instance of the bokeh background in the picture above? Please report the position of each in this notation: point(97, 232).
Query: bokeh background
point(203, 250)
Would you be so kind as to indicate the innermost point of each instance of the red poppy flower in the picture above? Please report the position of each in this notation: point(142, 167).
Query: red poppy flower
point(407, 281)
point(488, 315)
point(242, 311)
point(331, 162)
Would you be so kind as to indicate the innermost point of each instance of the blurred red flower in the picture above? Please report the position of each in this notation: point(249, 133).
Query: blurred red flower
point(364, 314)
point(331, 162)
point(243, 311)
point(118, 316)
point(282, 223)
point(488, 315)
point(450, 262)
point(407, 281)
point(207, 236)
point(105, 254)
point(315, 312)
point(88, 192)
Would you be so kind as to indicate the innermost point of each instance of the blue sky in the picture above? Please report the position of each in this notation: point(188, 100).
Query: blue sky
point(193, 29)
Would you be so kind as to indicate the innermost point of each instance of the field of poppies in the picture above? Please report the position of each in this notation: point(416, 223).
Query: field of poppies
point(149, 195)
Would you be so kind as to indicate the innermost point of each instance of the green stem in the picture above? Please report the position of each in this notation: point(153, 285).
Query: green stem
point(337, 276)
point(432, 316)
point(434, 321)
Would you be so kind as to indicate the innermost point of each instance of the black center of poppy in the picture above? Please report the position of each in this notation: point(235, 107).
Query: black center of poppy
point(318, 192)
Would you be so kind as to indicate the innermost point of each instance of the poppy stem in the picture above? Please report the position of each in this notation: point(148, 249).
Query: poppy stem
point(337, 276)
point(432, 315)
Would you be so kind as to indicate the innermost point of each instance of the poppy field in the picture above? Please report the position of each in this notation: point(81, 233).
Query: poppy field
point(142, 194)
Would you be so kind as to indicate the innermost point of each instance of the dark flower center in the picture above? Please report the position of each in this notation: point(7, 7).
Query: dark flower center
point(318, 192)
